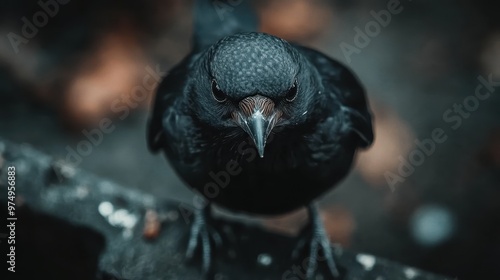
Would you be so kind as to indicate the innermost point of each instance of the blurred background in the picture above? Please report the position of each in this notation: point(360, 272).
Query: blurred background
point(66, 67)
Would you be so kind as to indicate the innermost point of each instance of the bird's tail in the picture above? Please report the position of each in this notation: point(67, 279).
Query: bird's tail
point(215, 19)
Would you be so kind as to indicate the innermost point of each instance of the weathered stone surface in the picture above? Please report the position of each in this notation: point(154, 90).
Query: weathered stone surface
point(73, 225)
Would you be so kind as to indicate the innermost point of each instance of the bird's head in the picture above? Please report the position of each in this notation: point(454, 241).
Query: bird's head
point(255, 82)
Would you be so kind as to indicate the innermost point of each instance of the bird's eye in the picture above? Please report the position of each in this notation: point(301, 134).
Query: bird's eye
point(292, 93)
point(218, 94)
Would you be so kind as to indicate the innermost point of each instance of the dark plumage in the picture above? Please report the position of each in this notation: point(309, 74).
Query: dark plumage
point(306, 113)
point(312, 145)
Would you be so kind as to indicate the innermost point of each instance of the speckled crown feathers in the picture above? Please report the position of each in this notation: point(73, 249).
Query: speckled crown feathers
point(250, 63)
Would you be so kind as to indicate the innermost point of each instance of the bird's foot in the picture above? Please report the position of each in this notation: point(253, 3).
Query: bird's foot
point(314, 239)
point(203, 237)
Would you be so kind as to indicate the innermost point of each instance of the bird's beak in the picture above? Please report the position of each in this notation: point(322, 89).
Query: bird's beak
point(258, 127)
point(257, 117)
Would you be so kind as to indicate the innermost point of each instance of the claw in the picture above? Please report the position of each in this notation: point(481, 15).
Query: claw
point(196, 228)
point(299, 248)
point(316, 235)
point(202, 232)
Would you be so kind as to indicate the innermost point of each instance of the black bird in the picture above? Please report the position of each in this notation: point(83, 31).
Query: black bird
point(305, 113)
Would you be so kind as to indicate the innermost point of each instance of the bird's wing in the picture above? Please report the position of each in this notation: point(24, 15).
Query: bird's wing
point(341, 83)
point(171, 126)
point(214, 20)
point(167, 95)
point(172, 129)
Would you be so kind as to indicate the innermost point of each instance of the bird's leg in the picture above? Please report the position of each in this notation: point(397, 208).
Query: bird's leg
point(204, 237)
point(316, 236)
